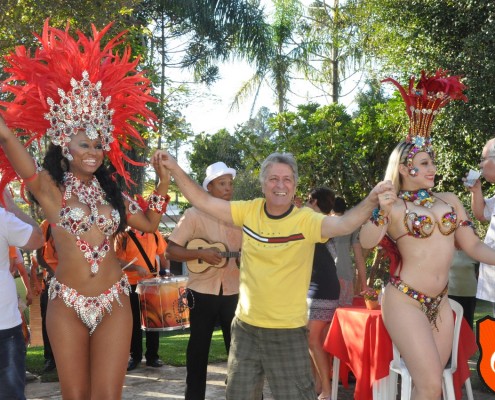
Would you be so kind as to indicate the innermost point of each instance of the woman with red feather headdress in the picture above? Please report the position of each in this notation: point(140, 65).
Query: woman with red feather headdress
point(421, 227)
point(88, 100)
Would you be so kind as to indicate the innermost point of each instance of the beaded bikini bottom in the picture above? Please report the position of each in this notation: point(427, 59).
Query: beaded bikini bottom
point(90, 310)
point(429, 305)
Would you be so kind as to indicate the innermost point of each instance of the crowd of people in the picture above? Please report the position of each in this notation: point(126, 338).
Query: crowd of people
point(97, 243)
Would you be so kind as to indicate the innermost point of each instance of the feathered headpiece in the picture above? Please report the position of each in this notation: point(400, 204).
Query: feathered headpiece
point(423, 103)
point(69, 85)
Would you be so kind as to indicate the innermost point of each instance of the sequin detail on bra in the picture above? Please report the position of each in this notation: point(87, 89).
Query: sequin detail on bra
point(422, 225)
point(429, 305)
point(76, 221)
point(90, 310)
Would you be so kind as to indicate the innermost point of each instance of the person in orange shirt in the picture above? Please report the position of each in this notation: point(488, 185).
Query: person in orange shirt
point(153, 245)
point(45, 257)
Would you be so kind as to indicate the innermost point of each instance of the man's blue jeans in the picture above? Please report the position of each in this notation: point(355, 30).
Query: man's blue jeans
point(12, 364)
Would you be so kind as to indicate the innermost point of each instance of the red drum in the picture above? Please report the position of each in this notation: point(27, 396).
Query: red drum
point(163, 303)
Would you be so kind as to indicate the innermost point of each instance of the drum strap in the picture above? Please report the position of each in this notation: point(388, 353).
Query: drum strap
point(132, 235)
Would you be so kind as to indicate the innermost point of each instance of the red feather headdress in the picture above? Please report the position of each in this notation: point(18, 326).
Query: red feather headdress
point(423, 103)
point(70, 84)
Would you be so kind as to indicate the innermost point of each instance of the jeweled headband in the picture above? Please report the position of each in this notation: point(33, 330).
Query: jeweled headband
point(71, 84)
point(423, 103)
point(82, 108)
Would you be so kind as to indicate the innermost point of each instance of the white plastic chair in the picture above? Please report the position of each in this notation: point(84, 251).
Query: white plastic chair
point(398, 367)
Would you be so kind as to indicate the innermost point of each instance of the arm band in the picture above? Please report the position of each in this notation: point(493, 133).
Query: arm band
point(157, 202)
point(378, 217)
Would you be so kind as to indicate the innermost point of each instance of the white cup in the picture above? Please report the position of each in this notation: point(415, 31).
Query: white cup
point(471, 178)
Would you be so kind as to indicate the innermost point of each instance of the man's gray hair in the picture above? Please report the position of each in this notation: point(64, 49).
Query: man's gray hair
point(279, 158)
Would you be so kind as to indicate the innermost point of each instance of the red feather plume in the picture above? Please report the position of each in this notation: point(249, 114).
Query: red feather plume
point(424, 101)
point(58, 59)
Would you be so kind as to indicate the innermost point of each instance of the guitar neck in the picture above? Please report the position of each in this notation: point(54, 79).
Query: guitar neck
point(230, 254)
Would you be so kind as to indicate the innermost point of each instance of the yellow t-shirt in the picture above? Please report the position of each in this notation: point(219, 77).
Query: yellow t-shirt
point(276, 262)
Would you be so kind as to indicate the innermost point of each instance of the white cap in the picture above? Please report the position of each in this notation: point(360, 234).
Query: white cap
point(215, 170)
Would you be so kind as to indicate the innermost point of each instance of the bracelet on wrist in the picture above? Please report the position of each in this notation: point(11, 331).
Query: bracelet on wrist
point(157, 202)
point(378, 217)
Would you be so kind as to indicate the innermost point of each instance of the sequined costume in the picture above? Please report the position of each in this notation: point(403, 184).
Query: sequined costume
point(89, 309)
point(77, 221)
point(422, 226)
point(429, 305)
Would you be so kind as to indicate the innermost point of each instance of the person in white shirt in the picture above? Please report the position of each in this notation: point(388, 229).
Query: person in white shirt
point(16, 229)
point(484, 210)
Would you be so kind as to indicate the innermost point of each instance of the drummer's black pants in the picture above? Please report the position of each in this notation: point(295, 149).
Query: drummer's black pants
point(152, 338)
point(206, 311)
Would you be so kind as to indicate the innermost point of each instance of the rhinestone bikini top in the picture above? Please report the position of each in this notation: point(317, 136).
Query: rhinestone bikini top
point(422, 226)
point(76, 220)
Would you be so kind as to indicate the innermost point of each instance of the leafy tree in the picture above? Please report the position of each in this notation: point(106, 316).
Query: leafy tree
point(334, 45)
point(20, 18)
point(256, 139)
point(279, 60)
point(198, 34)
point(209, 149)
point(223, 147)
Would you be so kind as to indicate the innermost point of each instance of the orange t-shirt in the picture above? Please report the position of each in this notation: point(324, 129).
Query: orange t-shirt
point(49, 252)
point(126, 250)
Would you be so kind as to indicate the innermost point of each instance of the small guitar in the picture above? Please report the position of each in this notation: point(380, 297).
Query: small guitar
point(198, 266)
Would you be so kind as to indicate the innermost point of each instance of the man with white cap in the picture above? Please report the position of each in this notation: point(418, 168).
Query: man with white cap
point(213, 291)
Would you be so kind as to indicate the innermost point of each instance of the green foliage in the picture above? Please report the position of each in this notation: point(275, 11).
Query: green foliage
point(333, 42)
point(205, 32)
point(208, 149)
point(223, 147)
point(20, 18)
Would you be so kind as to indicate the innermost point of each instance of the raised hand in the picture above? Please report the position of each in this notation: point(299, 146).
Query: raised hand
point(384, 194)
point(160, 169)
point(164, 158)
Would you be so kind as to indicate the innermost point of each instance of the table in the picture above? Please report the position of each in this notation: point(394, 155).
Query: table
point(359, 342)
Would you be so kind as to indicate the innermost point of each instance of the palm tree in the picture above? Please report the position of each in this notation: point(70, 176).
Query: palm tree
point(283, 54)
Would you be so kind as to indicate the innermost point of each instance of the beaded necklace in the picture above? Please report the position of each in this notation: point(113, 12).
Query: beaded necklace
point(90, 194)
point(421, 197)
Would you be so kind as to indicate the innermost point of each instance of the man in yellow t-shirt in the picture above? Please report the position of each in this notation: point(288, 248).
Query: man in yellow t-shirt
point(127, 250)
point(269, 336)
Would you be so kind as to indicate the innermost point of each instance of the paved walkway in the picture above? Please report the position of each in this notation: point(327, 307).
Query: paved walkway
point(146, 383)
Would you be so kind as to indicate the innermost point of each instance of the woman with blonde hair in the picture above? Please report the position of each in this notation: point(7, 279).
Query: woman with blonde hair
point(423, 226)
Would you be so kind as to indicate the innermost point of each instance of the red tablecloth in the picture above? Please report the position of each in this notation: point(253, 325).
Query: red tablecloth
point(359, 339)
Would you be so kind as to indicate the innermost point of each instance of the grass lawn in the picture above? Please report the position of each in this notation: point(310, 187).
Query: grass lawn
point(172, 351)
